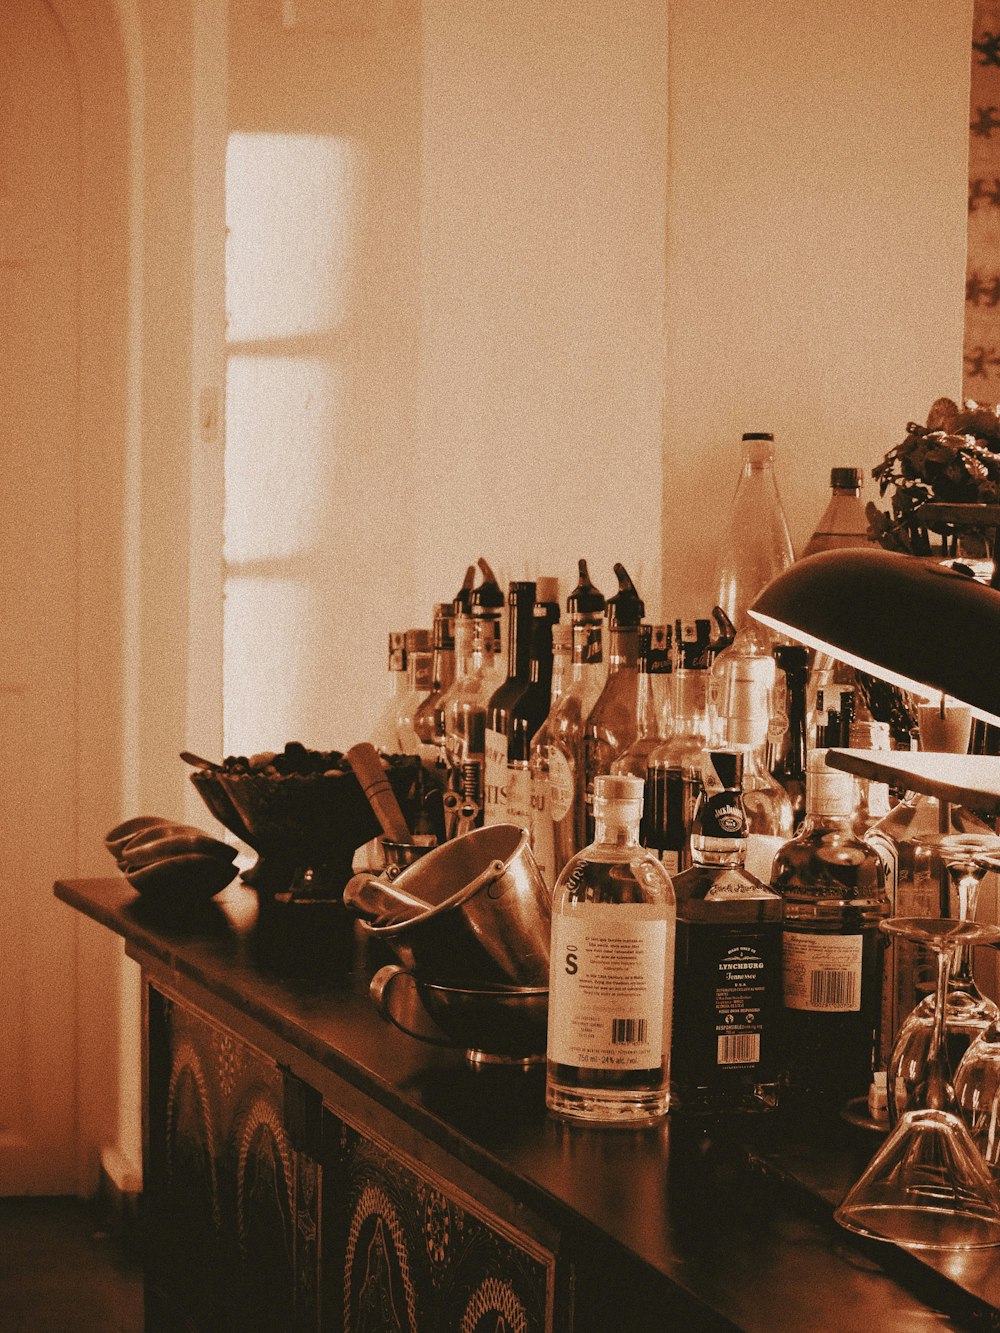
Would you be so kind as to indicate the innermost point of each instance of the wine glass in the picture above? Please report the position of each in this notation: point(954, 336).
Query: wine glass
point(977, 1080)
point(968, 1012)
point(928, 1186)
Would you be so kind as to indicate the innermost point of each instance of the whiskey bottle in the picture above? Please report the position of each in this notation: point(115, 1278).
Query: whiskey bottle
point(833, 888)
point(611, 972)
point(727, 968)
point(789, 766)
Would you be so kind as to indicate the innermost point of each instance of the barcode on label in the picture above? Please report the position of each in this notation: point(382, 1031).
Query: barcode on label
point(628, 1031)
point(832, 989)
point(739, 1048)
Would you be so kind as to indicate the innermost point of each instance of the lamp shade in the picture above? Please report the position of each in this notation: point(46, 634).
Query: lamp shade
point(923, 627)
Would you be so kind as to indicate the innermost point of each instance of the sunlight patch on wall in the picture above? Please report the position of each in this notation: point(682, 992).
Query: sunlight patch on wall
point(281, 416)
point(291, 216)
point(290, 200)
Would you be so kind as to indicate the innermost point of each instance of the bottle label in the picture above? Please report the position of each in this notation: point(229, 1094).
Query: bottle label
point(733, 884)
point(822, 972)
point(423, 672)
point(561, 784)
point(543, 843)
point(609, 991)
point(495, 777)
point(517, 785)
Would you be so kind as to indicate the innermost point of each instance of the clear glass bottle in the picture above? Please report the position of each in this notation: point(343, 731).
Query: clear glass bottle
point(520, 611)
point(610, 727)
point(756, 544)
point(542, 829)
point(478, 645)
point(726, 1053)
point(419, 679)
point(843, 521)
point(611, 972)
point(741, 692)
point(529, 710)
point(653, 718)
point(833, 888)
point(383, 735)
point(428, 721)
point(585, 606)
point(673, 777)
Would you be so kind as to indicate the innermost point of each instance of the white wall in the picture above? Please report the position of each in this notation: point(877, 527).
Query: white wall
point(816, 245)
point(581, 248)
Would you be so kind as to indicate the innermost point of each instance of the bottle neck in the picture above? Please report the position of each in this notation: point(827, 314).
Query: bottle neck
point(612, 830)
point(561, 670)
point(588, 642)
point(520, 616)
point(722, 852)
point(690, 702)
point(623, 648)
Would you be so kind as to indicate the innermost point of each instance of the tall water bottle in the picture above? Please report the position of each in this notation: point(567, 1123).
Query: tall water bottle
point(756, 544)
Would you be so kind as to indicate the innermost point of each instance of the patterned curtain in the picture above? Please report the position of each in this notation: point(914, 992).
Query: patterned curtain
point(981, 379)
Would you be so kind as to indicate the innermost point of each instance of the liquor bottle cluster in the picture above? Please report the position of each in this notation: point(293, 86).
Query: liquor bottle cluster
point(718, 887)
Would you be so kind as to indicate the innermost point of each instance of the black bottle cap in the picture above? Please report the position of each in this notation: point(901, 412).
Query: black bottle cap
point(757, 435)
point(521, 592)
point(791, 657)
point(626, 608)
point(463, 598)
point(728, 767)
point(489, 595)
point(846, 478)
point(585, 599)
point(655, 644)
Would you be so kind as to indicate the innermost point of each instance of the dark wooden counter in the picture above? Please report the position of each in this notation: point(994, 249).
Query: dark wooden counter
point(728, 1224)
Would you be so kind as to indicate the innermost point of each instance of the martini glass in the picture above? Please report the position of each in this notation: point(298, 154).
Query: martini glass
point(968, 1012)
point(928, 1186)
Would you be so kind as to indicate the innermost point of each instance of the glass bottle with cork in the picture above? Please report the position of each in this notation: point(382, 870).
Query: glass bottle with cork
point(611, 972)
point(727, 970)
point(428, 721)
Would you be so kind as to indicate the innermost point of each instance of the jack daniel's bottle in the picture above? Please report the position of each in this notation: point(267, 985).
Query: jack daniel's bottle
point(727, 977)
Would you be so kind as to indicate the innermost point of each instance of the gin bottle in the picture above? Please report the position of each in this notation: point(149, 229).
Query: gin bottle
point(611, 972)
point(833, 888)
point(727, 972)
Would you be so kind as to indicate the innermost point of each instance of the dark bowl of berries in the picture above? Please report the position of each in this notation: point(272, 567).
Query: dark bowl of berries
point(302, 811)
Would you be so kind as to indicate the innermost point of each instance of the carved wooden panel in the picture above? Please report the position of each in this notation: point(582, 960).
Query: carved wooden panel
point(405, 1251)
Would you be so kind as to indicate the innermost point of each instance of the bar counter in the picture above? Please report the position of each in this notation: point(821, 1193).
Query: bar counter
point(693, 1225)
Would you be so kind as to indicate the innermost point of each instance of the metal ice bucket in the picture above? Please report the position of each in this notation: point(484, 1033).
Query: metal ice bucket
point(487, 916)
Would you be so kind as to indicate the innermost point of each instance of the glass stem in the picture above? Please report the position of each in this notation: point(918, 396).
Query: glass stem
point(940, 1093)
point(968, 897)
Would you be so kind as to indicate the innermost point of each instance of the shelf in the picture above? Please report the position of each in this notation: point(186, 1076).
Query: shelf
point(971, 780)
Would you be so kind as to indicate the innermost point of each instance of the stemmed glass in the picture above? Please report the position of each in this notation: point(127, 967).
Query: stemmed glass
point(968, 1012)
point(928, 1186)
point(977, 1079)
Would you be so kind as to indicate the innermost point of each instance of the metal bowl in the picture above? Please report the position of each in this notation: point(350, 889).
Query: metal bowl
point(495, 1024)
point(488, 916)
